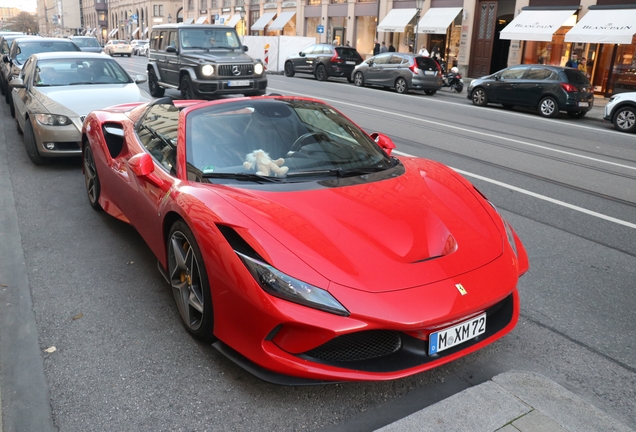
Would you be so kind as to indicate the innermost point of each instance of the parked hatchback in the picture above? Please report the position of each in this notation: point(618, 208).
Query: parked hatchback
point(402, 71)
point(549, 89)
point(324, 61)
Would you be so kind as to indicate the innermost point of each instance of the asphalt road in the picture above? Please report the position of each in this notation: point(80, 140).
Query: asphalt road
point(124, 362)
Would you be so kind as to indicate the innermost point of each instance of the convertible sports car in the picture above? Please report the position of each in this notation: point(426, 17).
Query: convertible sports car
point(298, 244)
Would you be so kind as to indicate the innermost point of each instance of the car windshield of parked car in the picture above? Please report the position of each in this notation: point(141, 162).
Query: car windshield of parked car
point(65, 72)
point(302, 139)
point(209, 39)
point(86, 42)
point(26, 49)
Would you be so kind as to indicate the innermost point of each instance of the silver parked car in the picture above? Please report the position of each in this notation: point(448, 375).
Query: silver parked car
point(55, 92)
point(402, 71)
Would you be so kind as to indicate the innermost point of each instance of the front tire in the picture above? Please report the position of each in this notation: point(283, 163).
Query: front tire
point(321, 73)
point(401, 86)
point(430, 92)
point(186, 88)
point(358, 79)
point(93, 187)
point(548, 107)
point(479, 97)
point(31, 145)
point(625, 119)
point(289, 70)
point(189, 282)
point(153, 84)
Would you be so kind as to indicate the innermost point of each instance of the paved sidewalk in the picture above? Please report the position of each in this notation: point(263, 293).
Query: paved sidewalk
point(511, 402)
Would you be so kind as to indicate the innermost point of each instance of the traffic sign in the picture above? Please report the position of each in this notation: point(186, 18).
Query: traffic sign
point(320, 28)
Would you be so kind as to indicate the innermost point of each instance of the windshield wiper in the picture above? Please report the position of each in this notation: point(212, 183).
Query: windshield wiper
point(338, 172)
point(83, 83)
point(244, 177)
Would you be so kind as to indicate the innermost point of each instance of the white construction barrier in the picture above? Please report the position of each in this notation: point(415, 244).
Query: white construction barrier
point(274, 50)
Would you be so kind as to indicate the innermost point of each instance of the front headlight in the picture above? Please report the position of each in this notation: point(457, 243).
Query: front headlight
point(279, 284)
point(258, 69)
point(207, 70)
point(53, 120)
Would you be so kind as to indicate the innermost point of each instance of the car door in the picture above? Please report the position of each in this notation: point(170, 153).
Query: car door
point(374, 74)
point(161, 57)
point(321, 54)
point(301, 62)
point(504, 88)
point(534, 84)
point(173, 64)
point(22, 96)
point(392, 70)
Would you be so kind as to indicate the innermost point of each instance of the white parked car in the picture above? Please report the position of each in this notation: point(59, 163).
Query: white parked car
point(621, 110)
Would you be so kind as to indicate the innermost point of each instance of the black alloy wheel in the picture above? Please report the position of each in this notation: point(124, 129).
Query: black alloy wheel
point(186, 88)
point(153, 84)
point(625, 119)
point(479, 97)
point(93, 188)
point(189, 282)
point(321, 73)
point(548, 107)
point(358, 79)
point(31, 146)
point(289, 69)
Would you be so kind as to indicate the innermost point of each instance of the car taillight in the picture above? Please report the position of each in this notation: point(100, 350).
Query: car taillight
point(336, 59)
point(414, 68)
point(568, 87)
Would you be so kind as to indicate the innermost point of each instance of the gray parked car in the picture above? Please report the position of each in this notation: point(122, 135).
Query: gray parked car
point(402, 71)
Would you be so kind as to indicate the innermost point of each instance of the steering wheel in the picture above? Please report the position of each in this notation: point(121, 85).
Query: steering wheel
point(297, 144)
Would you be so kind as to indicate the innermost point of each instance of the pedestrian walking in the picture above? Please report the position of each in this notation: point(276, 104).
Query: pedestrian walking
point(376, 48)
point(383, 48)
point(573, 62)
point(391, 48)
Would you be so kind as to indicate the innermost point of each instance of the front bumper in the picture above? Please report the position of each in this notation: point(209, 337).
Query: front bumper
point(213, 87)
point(573, 101)
point(65, 140)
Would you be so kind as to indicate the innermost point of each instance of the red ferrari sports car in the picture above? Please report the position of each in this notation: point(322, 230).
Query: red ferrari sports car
point(298, 244)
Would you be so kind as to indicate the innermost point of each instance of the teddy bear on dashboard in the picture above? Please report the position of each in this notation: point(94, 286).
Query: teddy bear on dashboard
point(264, 165)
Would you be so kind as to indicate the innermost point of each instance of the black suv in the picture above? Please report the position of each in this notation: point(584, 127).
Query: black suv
point(323, 61)
point(203, 61)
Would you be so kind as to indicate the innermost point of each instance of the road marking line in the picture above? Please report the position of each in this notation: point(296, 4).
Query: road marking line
point(539, 196)
point(437, 123)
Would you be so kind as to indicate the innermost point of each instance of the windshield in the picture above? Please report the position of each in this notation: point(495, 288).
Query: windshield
point(86, 42)
point(209, 39)
point(64, 72)
point(25, 49)
point(301, 139)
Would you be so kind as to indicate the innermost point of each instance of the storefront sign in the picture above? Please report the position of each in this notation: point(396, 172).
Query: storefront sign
point(289, 4)
point(157, 20)
point(462, 58)
point(270, 6)
point(226, 10)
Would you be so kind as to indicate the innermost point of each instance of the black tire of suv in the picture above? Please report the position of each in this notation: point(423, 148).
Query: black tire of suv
point(155, 89)
point(321, 73)
point(289, 70)
point(186, 88)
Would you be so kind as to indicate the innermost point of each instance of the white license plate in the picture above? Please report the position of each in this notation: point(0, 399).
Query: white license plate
point(584, 104)
point(457, 334)
point(429, 73)
point(238, 83)
point(350, 62)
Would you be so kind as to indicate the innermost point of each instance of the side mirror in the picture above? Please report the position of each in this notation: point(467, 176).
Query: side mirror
point(17, 83)
point(171, 49)
point(143, 167)
point(139, 79)
point(302, 54)
point(383, 141)
point(245, 48)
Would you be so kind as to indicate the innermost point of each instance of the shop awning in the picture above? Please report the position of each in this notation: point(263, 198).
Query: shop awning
point(135, 32)
point(609, 26)
point(145, 31)
point(222, 19)
point(396, 20)
point(189, 21)
point(201, 20)
point(283, 18)
point(536, 25)
point(232, 22)
point(437, 20)
point(263, 21)
point(112, 32)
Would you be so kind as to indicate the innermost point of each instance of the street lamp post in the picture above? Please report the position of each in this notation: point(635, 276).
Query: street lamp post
point(242, 14)
point(169, 19)
point(419, 4)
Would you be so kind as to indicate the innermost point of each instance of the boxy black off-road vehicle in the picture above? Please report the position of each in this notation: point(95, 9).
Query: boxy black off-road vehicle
point(203, 62)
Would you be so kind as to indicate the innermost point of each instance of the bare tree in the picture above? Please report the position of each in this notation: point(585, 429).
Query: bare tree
point(24, 22)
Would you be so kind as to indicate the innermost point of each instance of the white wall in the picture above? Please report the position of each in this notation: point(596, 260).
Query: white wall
point(274, 50)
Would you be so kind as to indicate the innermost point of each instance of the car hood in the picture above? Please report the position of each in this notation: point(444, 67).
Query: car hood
point(72, 100)
point(381, 236)
point(225, 56)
